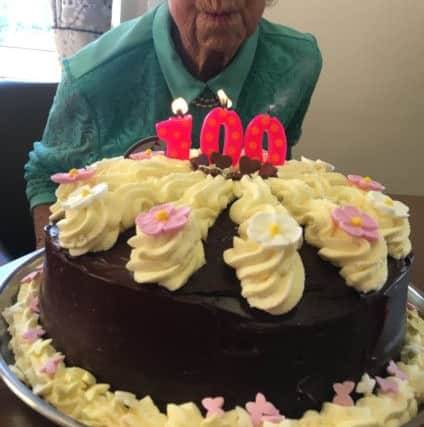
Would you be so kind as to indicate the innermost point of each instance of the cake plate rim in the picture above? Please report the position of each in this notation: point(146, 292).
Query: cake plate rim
point(8, 290)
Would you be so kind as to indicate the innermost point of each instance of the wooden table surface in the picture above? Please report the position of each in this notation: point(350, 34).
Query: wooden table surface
point(14, 413)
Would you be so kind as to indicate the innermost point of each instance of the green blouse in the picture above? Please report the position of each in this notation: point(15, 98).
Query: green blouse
point(115, 89)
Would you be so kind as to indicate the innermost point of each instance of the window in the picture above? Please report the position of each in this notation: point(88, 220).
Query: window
point(27, 50)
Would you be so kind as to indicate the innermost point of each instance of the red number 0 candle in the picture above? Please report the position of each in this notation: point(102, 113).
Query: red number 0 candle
point(209, 135)
point(176, 131)
point(277, 140)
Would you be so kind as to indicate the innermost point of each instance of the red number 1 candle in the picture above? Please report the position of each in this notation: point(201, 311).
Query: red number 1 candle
point(209, 135)
point(176, 131)
point(277, 140)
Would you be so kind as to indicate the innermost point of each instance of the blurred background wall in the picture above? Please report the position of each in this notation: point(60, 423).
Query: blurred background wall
point(367, 115)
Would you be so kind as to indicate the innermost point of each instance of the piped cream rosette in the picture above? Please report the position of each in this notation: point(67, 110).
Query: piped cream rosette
point(69, 182)
point(294, 194)
point(267, 263)
point(350, 240)
point(265, 257)
point(392, 217)
point(254, 196)
point(208, 198)
point(91, 222)
point(168, 248)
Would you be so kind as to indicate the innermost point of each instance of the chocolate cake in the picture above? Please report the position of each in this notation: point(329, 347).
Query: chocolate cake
point(205, 340)
point(176, 280)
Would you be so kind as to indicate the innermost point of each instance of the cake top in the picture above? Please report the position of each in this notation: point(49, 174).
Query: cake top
point(173, 203)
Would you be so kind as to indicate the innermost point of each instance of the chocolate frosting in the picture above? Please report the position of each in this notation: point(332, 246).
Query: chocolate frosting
point(204, 339)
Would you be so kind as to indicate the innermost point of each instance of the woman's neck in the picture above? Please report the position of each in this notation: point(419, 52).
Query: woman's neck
point(201, 62)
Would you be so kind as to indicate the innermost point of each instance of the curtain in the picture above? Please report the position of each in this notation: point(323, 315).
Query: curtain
point(78, 22)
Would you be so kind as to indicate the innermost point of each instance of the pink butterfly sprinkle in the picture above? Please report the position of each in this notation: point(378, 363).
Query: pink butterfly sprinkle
point(388, 385)
point(33, 334)
point(34, 305)
point(262, 410)
point(213, 405)
point(343, 391)
point(51, 364)
point(30, 277)
point(394, 370)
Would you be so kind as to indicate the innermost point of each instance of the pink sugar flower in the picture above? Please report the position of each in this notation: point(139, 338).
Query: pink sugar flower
point(261, 410)
point(162, 219)
point(356, 223)
point(394, 370)
point(34, 305)
point(30, 277)
point(387, 385)
point(343, 391)
point(33, 334)
point(213, 405)
point(74, 175)
point(147, 154)
point(365, 183)
point(51, 364)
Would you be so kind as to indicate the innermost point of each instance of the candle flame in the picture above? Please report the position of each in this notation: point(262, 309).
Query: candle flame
point(223, 99)
point(179, 106)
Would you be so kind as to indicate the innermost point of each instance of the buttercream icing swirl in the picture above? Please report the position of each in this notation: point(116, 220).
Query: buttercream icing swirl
point(363, 264)
point(272, 279)
point(168, 259)
point(254, 196)
point(92, 228)
point(208, 198)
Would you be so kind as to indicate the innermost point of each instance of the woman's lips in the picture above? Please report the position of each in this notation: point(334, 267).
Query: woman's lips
point(221, 17)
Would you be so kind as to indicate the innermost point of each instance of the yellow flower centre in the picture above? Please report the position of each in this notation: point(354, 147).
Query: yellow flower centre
point(85, 192)
point(367, 180)
point(148, 152)
point(274, 230)
point(389, 202)
point(73, 172)
point(356, 221)
point(162, 216)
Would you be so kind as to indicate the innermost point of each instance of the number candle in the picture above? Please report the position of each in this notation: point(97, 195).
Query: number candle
point(277, 140)
point(209, 135)
point(176, 131)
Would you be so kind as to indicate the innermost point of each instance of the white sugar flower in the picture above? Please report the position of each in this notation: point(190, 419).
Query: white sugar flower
point(387, 205)
point(84, 196)
point(366, 385)
point(274, 230)
point(327, 166)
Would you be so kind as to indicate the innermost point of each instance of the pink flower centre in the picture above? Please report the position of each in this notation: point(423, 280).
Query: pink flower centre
point(367, 180)
point(356, 221)
point(162, 216)
point(148, 152)
point(73, 173)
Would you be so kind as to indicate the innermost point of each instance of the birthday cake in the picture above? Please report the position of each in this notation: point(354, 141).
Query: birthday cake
point(224, 286)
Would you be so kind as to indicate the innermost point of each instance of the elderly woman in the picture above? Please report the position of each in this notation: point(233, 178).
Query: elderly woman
point(114, 91)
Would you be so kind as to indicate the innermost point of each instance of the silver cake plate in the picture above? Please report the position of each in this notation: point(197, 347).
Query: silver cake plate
point(8, 290)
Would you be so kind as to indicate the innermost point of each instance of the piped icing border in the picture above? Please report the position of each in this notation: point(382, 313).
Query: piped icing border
point(75, 392)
